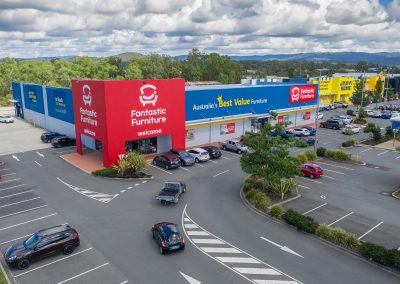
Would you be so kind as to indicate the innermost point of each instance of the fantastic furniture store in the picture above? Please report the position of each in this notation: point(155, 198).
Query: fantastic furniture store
point(153, 116)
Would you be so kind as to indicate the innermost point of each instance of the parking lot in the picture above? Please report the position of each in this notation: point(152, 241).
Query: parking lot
point(354, 198)
point(23, 212)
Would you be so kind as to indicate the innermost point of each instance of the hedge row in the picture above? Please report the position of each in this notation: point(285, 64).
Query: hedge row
point(379, 254)
point(338, 236)
point(301, 222)
point(333, 154)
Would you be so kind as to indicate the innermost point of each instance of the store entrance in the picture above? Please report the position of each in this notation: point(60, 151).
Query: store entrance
point(144, 146)
point(258, 123)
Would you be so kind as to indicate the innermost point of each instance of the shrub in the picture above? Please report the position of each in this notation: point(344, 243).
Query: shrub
point(330, 154)
point(300, 143)
point(348, 132)
point(398, 149)
point(302, 223)
point(376, 134)
point(301, 158)
point(381, 255)
point(252, 182)
point(122, 166)
point(362, 114)
point(250, 194)
point(113, 173)
point(136, 160)
point(276, 211)
point(348, 143)
point(107, 172)
point(389, 131)
point(260, 200)
point(311, 156)
point(350, 112)
point(321, 152)
point(369, 128)
point(341, 156)
point(338, 236)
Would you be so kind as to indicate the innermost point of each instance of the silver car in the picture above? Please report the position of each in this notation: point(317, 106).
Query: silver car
point(199, 155)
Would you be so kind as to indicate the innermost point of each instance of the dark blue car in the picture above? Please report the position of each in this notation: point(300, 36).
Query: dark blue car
point(311, 130)
point(386, 115)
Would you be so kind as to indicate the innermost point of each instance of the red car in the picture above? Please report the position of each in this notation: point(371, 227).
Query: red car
point(311, 170)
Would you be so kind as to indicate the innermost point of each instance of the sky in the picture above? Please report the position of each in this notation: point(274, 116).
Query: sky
point(234, 27)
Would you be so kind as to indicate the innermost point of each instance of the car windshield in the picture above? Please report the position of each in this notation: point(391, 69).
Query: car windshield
point(318, 168)
point(238, 144)
point(31, 241)
point(185, 155)
point(170, 230)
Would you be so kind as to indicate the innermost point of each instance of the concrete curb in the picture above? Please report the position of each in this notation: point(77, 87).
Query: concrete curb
point(5, 274)
point(393, 194)
point(118, 178)
point(286, 201)
point(330, 244)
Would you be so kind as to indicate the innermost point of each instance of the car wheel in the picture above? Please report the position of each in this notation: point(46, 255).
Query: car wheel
point(176, 200)
point(182, 247)
point(152, 233)
point(23, 264)
point(68, 249)
point(196, 160)
point(239, 151)
point(162, 250)
point(166, 167)
point(311, 176)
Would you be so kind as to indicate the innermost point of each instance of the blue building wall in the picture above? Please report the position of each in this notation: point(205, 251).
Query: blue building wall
point(59, 104)
point(16, 91)
point(33, 98)
point(223, 102)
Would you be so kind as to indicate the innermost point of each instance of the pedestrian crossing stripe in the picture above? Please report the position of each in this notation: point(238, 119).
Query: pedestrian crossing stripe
point(102, 197)
point(240, 262)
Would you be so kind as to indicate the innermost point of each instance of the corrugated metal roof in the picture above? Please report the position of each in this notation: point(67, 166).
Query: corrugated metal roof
point(239, 86)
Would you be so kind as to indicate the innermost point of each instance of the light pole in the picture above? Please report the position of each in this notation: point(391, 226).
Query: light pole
point(362, 89)
point(316, 121)
point(387, 86)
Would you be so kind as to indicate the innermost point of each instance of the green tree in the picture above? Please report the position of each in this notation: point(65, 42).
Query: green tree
point(8, 74)
point(358, 93)
point(83, 67)
point(133, 70)
point(153, 67)
point(269, 157)
point(121, 167)
point(377, 92)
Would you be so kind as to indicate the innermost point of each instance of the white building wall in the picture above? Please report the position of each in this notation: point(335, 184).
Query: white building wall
point(36, 118)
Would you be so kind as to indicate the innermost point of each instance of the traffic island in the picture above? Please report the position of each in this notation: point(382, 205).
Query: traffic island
point(396, 194)
point(340, 156)
point(128, 174)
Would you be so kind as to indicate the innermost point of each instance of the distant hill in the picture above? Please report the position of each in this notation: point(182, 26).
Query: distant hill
point(128, 56)
point(385, 58)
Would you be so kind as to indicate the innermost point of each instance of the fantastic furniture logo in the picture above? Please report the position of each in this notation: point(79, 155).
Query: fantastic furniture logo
point(300, 94)
point(87, 95)
point(150, 99)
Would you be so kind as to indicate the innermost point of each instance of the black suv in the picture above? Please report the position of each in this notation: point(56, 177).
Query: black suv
point(168, 237)
point(61, 238)
point(167, 161)
point(48, 136)
point(62, 141)
point(332, 123)
point(213, 151)
point(184, 156)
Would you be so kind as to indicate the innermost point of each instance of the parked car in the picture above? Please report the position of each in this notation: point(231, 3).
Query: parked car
point(368, 111)
point(310, 129)
point(332, 124)
point(62, 141)
point(171, 192)
point(353, 128)
point(283, 134)
point(311, 170)
point(48, 136)
point(346, 119)
point(395, 114)
point(386, 115)
point(309, 140)
point(184, 156)
point(375, 114)
point(168, 237)
point(43, 243)
point(199, 155)
point(235, 145)
point(213, 151)
point(300, 132)
point(6, 119)
point(320, 115)
point(340, 104)
point(167, 161)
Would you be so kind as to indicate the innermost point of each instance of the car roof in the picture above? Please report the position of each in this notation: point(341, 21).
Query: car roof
point(54, 230)
point(170, 155)
point(311, 164)
point(198, 149)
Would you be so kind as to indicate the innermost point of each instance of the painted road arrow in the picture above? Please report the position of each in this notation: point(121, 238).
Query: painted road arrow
point(15, 157)
point(189, 279)
point(284, 248)
point(40, 154)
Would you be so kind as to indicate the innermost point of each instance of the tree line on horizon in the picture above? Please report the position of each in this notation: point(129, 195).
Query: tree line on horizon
point(198, 66)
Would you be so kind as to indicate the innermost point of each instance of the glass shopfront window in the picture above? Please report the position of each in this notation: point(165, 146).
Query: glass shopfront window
point(144, 146)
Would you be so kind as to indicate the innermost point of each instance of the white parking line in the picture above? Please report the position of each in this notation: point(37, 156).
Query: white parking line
point(220, 250)
point(38, 164)
point(50, 263)
point(23, 211)
point(126, 281)
point(5, 169)
point(383, 153)
point(208, 241)
point(225, 158)
point(325, 176)
point(214, 162)
point(11, 174)
point(19, 193)
point(341, 167)
point(200, 165)
point(23, 201)
point(185, 169)
point(397, 158)
point(259, 271)
point(10, 241)
point(368, 149)
point(326, 143)
point(309, 179)
point(309, 211)
point(161, 169)
point(224, 172)
point(191, 226)
point(237, 259)
point(83, 273)
point(306, 187)
point(261, 281)
point(26, 222)
point(9, 180)
point(341, 218)
point(340, 173)
point(197, 233)
point(11, 187)
point(373, 228)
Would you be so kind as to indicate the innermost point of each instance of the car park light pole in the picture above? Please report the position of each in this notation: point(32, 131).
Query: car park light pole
point(316, 121)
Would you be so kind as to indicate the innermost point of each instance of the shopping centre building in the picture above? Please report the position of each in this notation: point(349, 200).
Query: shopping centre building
point(153, 116)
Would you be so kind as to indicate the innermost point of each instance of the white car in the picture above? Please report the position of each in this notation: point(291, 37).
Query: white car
point(395, 114)
point(346, 119)
point(300, 132)
point(353, 128)
point(199, 155)
point(6, 119)
point(320, 115)
point(369, 111)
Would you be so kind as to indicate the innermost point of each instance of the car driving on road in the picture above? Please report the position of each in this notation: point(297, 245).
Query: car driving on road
point(171, 192)
point(167, 161)
point(199, 155)
point(43, 243)
point(168, 237)
point(184, 156)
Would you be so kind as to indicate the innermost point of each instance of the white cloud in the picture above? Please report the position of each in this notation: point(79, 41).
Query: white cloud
point(103, 27)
